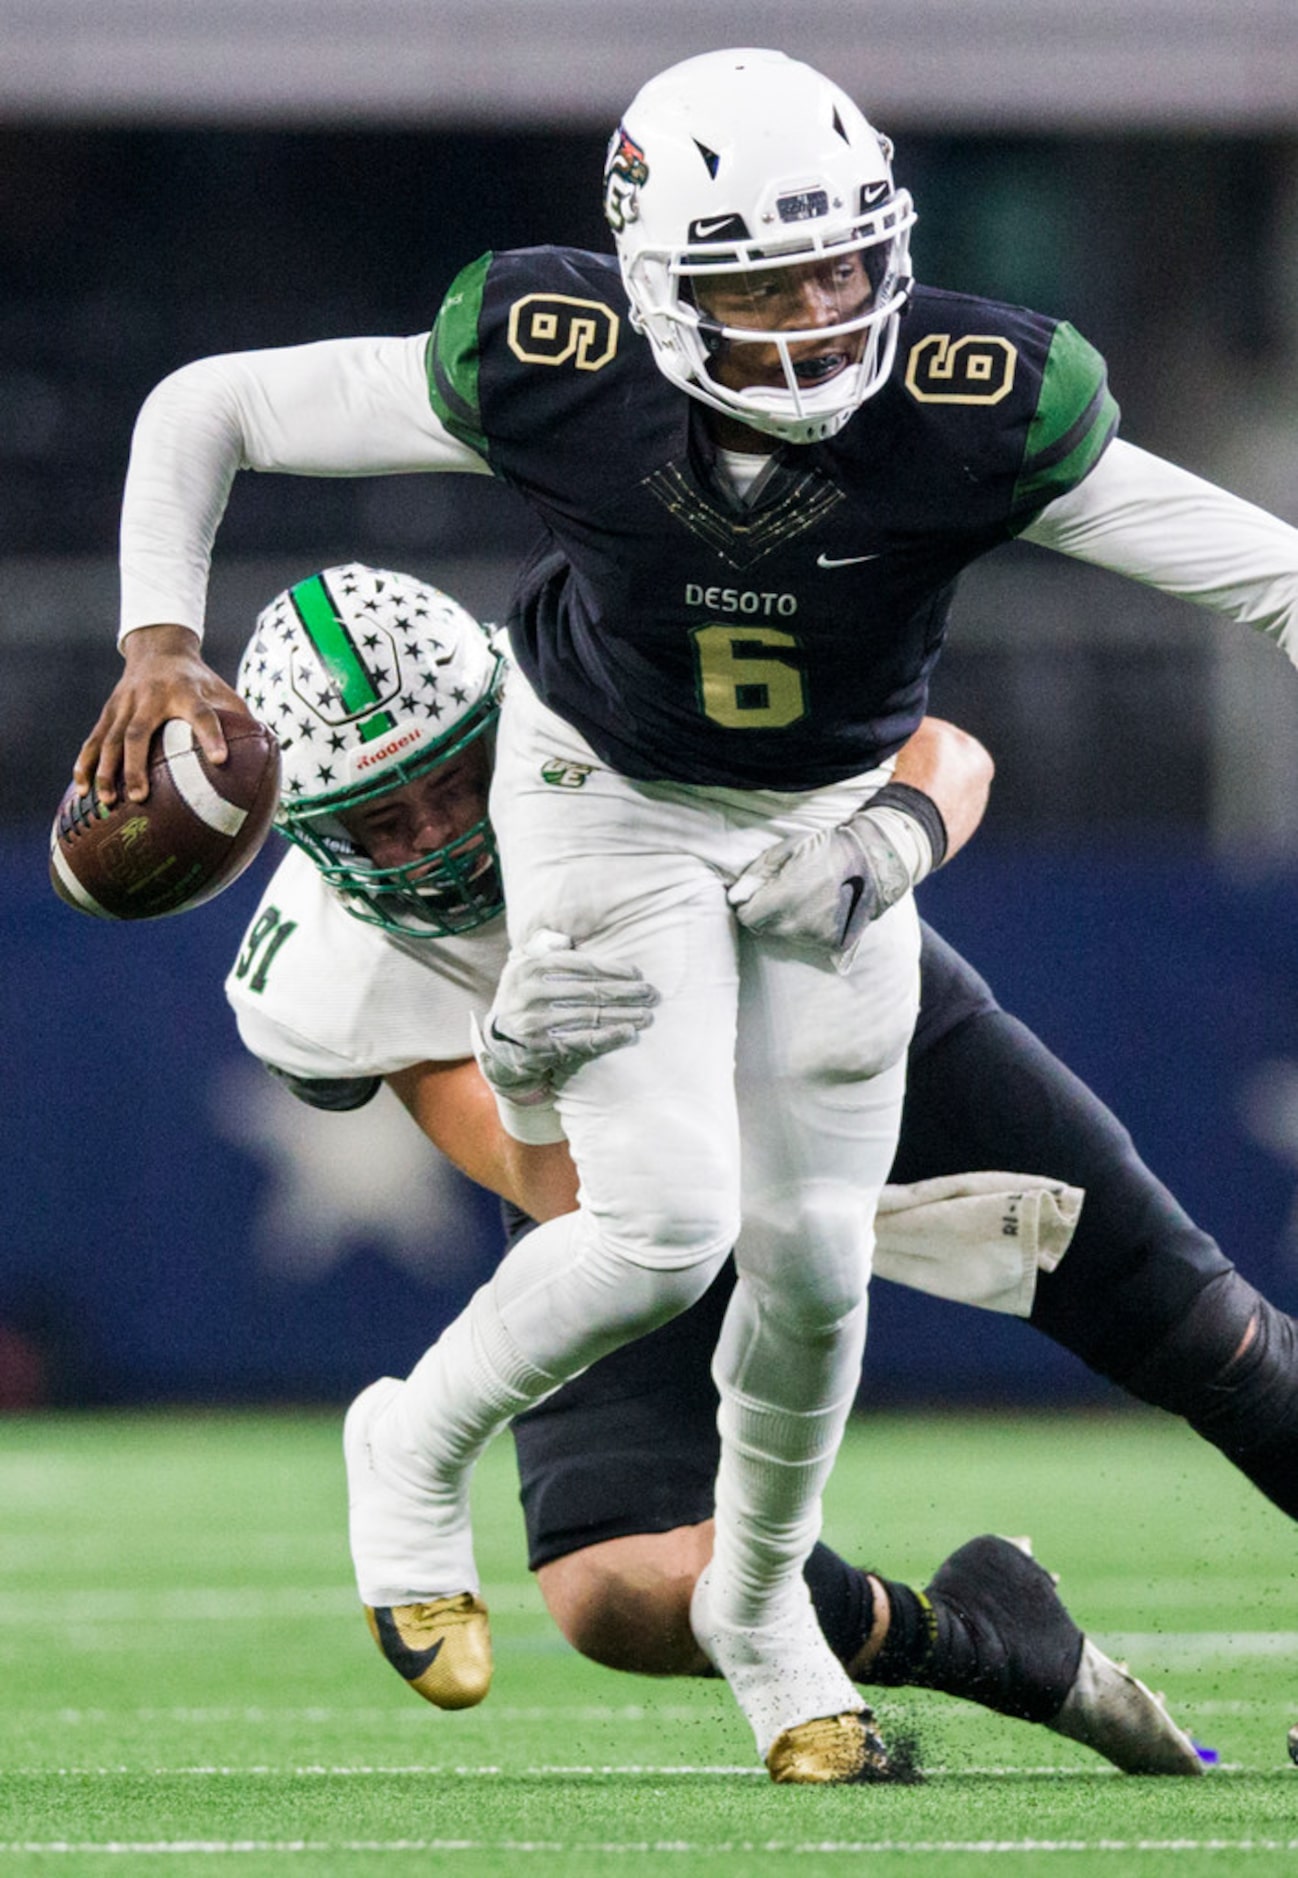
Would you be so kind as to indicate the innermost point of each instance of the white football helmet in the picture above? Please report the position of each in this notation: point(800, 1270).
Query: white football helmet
point(745, 162)
point(369, 679)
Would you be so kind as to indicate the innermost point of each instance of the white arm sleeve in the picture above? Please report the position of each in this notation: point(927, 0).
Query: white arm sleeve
point(343, 407)
point(1143, 516)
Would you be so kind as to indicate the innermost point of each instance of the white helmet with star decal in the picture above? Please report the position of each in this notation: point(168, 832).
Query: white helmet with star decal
point(369, 679)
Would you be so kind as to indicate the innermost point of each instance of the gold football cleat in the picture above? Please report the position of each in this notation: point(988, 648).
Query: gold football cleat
point(833, 1751)
point(442, 1648)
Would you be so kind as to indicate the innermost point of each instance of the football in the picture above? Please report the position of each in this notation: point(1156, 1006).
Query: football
point(198, 828)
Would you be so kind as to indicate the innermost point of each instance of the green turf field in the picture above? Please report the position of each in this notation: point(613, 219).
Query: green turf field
point(188, 1686)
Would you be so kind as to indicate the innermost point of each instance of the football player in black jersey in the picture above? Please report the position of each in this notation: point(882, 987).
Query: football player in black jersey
point(758, 488)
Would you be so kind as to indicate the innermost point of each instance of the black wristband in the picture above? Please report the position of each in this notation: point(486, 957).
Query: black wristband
point(921, 808)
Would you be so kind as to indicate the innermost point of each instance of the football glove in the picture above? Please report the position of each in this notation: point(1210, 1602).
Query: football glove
point(823, 890)
point(555, 1008)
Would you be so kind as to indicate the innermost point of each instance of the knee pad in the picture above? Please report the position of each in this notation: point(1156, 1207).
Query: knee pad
point(812, 1312)
point(808, 1263)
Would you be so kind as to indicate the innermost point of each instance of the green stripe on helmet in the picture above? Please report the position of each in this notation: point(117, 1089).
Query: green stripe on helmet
point(336, 649)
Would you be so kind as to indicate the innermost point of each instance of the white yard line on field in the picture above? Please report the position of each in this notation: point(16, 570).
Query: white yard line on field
point(544, 1770)
point(572, 1847)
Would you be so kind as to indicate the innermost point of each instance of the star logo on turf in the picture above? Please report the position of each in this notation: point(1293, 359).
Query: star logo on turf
point(334, 1186)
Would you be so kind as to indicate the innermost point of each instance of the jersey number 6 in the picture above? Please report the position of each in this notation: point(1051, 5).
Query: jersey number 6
point(740, 684)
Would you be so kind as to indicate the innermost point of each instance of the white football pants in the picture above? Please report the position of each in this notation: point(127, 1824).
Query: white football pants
point(656, 1130)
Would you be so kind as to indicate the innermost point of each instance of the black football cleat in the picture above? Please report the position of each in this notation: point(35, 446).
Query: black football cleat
point(1026, 1657)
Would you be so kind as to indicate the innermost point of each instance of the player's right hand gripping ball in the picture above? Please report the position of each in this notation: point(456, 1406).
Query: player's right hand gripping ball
point(198, 828)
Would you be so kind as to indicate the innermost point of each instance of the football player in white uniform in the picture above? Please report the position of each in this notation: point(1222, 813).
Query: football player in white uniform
point(758, 492)
point(376, 947)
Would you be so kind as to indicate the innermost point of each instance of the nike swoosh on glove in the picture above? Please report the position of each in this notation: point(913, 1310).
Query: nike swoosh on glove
point(823, 890)
point(555, 1008)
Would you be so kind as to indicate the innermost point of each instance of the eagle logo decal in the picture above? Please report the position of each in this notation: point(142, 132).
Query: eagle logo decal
point(625, 174)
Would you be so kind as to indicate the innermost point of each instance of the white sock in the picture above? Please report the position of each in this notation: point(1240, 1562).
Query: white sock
point(780, 1675)
point(786, 1392)
point(785, 1398)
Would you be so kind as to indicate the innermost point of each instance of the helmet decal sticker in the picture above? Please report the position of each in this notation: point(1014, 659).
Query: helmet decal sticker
point(625, 174)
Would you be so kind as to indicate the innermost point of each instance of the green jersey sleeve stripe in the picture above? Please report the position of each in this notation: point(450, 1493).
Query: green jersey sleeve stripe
point(452, 356)
point(1032, 493)
point(1063, 447)
point(1075, 418)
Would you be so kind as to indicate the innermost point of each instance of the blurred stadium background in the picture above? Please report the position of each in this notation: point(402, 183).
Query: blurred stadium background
point(177, 180)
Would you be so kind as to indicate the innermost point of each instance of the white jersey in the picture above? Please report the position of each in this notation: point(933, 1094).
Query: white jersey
point(320, 994)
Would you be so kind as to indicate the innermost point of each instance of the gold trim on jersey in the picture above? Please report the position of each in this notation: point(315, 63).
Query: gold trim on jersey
point(741, 541)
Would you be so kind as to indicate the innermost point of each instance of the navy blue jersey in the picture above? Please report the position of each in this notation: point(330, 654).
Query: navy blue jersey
point(782, 644)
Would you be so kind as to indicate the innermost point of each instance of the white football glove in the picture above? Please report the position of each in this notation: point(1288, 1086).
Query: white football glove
point(823, 890)
point(555, 1008)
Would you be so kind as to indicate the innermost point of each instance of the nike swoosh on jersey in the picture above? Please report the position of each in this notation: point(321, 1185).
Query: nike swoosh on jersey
point(844, 560)
point(407, 1662)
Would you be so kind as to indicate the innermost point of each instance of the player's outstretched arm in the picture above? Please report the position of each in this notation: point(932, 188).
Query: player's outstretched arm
point(334, 408)
point(456, 1109)
point(822, 890)
point(1144, 517)
point(165, 677)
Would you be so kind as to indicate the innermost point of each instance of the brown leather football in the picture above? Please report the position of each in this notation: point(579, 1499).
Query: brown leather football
point(199, 827)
